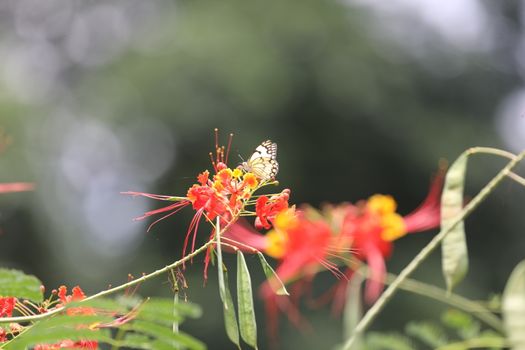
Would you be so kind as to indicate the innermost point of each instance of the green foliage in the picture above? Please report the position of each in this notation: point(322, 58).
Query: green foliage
point(247, 323)
point(428, 333)
point(465, 326)
point(388, 341)
point(58, 328)
point(141, 325)
point(456, 331)
point(18, 284)
point(513, 307)
point(454, 245)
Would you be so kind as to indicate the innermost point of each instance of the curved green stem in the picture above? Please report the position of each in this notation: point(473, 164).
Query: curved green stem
point(477, 343)
point(374, 311)
point(501, 153)
point(449, 298)
point(114, 289)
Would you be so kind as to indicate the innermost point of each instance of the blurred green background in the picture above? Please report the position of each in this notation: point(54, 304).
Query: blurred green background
point(362, 97)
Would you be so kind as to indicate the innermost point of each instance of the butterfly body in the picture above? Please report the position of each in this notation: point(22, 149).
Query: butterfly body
point(263, 161)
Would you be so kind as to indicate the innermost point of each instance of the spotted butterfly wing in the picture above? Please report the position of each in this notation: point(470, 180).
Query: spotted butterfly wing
point(263, 162)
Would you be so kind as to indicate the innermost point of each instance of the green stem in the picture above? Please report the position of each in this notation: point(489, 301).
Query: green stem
point(501, 153)
point(374, 311)
point(455, 300)
point(430, 291)
point(114, 289)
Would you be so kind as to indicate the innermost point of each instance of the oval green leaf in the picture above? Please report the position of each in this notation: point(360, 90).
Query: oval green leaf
point(230, 320)
point(513, 307)
point(14, 283)
point(247, 323)
point(454, 252)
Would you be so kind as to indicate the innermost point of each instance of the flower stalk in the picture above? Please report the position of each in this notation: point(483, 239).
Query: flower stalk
point(374, 311)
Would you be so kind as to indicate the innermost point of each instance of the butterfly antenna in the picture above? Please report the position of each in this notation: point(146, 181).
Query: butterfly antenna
point(228, 148)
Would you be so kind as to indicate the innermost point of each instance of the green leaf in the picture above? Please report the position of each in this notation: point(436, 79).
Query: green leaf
point(135, 341)
point(353, 309)
point(494, 342)
point(165, 312)
point(14, 283)
point(274, 280)
point(230, 320)
point(165, 335)
point(513, 307)
point(58, 328)
point(391, 341)
point(465, 326)
point(247, 323)
point(428, 333)
point(454, 245)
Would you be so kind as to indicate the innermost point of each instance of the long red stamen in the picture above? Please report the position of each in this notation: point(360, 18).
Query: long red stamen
point(192, 228)
point(194, 236)
point(165, 216)
point(332, 268)
point(228, 148)
point(149, 195)
point(178, 206)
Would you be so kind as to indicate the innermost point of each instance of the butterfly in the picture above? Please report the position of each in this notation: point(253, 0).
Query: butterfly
point(263, 162)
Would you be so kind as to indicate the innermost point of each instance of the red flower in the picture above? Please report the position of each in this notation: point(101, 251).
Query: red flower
point(266, 209)
point(76, 295)
point(16, 187)
point(303, 244)
point(69, 344)
point(7, 304)
point(373, 227)
point(225, 196)
point(307, 242)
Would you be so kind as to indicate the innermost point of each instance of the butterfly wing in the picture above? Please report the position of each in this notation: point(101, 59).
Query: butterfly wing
point(263, 162)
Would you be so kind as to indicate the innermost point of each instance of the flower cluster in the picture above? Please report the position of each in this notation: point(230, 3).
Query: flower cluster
point(306, 241)
point(9, 304)
point(225, 195)
point(303, 240)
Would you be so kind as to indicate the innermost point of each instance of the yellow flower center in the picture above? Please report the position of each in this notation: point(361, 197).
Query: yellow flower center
point(236, 173)
point(393, 227)
point(250, 180)
point(278, 237)
point(382, 204)
point(277, 241)
point(392, 223)
point(286, 219)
